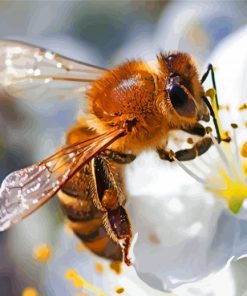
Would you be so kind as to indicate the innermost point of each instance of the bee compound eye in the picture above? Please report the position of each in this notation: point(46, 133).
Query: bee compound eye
point(181, 102)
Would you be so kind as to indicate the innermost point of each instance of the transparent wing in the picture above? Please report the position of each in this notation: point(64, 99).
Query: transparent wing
point(28, 71)
point(24, 191)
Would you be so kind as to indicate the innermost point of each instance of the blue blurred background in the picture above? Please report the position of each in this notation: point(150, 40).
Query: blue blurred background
point(104, 33)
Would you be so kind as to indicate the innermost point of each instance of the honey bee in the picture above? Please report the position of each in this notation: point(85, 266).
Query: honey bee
point(131, 108)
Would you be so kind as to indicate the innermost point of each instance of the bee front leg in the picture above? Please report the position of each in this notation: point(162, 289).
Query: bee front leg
point(197, 130)
point(118, 227)
point(197, 149)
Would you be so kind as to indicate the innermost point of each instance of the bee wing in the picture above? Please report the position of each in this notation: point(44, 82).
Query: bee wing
point(24, 191)
point(28, 71)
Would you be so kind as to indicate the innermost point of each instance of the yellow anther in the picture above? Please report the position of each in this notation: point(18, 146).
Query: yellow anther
point(234, 125)
point(42, 253)
point(80, 282)
point(242, 107)
point(116, 266)
point(244, 150)
point(225, 137)
point(29, 291)
point(99, 267)
point(119, 290)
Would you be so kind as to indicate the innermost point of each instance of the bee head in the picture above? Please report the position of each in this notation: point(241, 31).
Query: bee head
point(183, 90)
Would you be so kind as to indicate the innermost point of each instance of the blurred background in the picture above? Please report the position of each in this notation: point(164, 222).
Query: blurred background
point(100, 32)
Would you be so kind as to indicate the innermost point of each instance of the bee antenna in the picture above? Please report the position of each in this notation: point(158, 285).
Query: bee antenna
point(210, 69)
point(211, 110)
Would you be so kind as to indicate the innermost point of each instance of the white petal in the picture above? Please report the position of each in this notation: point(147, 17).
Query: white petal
point(230, 60)
point(221, 283)
point(83, 262)
point(183, 237)
point(149, 175)
point(184, 232)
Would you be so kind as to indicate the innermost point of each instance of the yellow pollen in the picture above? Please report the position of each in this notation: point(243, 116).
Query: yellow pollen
point(99, 267)
point(42, 253)
point(224, 107)
point(244, 150)
point(225, 136)
point(116, 266)
point(80, 282)
point(242, 107)
point(119, 290)
point(29, 291)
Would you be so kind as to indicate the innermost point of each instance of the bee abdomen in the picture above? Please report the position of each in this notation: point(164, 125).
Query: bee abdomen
point(76, 199)
point(86, 222)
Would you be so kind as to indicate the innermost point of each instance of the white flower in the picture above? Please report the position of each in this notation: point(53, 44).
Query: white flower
point(189, 229)
point(186, 230)
point(75, 271)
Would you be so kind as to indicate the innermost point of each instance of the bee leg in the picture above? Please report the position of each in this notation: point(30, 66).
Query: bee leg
point(197, 149)
point(109, 198)
point(118, 227)
point(197, 130)
point(118, 157)
point(164, 154)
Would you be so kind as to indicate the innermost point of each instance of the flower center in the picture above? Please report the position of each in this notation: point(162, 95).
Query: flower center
point(229, 178)
point(223, 169)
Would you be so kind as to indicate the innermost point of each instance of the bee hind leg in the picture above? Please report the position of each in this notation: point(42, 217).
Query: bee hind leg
point(197, 149)
point(118, 227)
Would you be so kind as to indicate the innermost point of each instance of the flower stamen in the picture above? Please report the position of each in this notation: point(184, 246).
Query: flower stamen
point(199, 179)
point(237, 154)
point(222, 155)
point(227, 177)
point(185, 168)
point(244, 150)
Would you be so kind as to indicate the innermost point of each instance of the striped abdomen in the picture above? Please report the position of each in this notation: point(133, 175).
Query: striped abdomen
point(79, 198)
